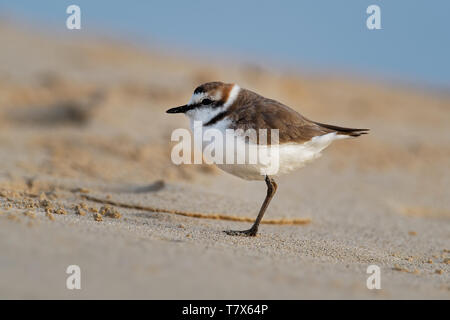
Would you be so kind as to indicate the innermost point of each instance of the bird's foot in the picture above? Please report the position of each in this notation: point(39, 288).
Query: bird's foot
point(244, 233)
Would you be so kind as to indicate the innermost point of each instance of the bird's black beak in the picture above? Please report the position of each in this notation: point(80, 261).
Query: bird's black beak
point(181, 109)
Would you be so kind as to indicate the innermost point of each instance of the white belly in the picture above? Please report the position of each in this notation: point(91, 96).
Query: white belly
point(284, 159)
point(271, 160)
point(276, 160)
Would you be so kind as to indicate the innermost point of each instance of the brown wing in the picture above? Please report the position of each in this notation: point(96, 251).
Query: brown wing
point(271, 114)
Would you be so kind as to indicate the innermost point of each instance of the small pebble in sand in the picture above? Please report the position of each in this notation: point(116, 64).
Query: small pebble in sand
point(42, 196)
point(29, 204)
point(45, 203)
point(110, 212)
point(446, 261)
point(430, 261)
point(30, 214)
point(398, 268)
point(82, 190)
point(114, 215)
point(438, 271)
point(98, 217)
point(412, 233)
point(103, 209)
point(93, 210)
point(79, 210)
point(401, 269)
point(84, 206)
point(61, 211)
point(50, 216)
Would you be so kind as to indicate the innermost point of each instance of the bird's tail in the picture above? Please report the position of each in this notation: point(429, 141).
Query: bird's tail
point(344, 131)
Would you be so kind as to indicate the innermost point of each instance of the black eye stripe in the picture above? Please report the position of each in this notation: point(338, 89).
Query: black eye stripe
point(206, 101)
point(199, 105)
point(198, 90)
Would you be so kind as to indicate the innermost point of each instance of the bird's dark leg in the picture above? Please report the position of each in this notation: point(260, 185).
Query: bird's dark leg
point(271, 189)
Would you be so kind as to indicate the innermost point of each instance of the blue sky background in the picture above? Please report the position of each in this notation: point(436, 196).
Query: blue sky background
point(316, 35)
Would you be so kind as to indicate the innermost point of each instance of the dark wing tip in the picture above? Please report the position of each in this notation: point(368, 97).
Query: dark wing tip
point(357, 132)
point(345, 131)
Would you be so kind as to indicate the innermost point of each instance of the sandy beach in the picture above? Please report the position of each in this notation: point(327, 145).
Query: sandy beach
point(86, 179)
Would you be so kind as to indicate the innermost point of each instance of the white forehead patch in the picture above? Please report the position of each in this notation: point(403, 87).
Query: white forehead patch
point(196, 98)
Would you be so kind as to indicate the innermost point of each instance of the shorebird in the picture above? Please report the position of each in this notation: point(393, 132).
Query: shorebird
point(223, 106)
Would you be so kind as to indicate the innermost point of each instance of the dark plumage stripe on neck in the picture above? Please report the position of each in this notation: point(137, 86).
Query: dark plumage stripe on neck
point(217, 118)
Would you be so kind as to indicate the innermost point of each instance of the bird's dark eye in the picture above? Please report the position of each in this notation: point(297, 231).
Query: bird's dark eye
point(206, 101)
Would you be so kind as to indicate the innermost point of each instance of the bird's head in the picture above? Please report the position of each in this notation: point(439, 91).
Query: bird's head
point(209, 98)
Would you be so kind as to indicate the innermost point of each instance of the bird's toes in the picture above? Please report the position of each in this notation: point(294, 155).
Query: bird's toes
point(244, 233)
